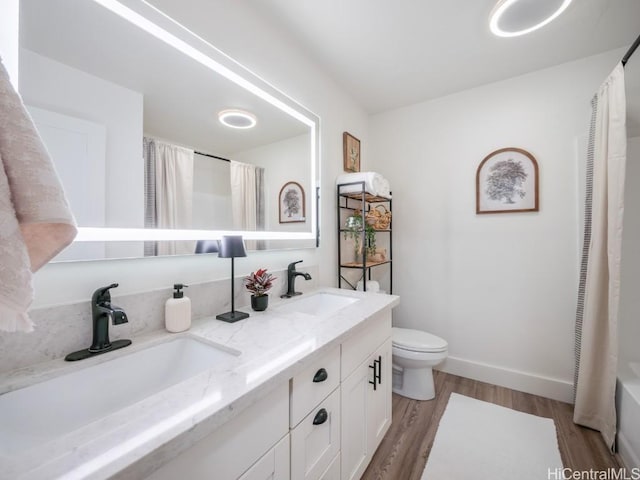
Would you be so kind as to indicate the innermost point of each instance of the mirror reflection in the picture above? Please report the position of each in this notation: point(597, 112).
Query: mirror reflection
point(132, 125)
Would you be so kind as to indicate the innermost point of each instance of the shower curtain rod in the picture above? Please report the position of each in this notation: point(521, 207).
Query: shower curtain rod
point(212, 156)
point(632, 49)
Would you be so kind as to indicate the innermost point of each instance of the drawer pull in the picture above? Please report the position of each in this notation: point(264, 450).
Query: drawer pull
point(320, 376)
point(379, 374)
point(320, 417)
point(375, 374)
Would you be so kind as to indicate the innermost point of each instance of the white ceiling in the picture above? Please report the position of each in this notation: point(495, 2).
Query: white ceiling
point(391, 53)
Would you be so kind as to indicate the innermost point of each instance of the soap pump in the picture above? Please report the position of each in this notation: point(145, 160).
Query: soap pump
point(177, 310)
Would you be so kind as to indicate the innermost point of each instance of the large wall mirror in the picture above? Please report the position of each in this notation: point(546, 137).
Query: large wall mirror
point(128, 102)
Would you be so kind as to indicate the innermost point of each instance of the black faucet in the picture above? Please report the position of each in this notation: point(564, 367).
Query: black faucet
point(102, 312)
point(291, 280)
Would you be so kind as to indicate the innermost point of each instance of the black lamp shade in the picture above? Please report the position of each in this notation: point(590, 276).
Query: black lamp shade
point(231, 246)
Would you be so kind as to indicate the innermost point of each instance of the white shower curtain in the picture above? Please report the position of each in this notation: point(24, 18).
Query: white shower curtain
point(174, 194)
point(247, 199)
point(599, 289)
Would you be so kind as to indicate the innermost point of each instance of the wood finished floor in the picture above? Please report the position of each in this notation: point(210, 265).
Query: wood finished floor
point(403, 452)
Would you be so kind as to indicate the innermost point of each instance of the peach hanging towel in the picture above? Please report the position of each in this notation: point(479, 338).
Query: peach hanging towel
point(36, 222)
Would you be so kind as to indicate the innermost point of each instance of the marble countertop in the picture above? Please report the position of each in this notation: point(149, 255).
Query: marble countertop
point(131, 442)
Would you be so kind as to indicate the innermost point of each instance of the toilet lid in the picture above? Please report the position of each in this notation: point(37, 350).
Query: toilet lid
point(417, 340)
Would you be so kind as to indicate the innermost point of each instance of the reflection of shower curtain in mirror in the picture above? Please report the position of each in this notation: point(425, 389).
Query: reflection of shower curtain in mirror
point(247, 199)
point(168, 194)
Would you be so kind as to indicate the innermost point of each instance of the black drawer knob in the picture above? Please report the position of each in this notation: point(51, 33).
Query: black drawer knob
point(320, 417)
point(320, 376)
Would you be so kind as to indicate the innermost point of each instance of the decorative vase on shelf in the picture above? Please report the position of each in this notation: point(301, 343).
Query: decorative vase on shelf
point(259, 302)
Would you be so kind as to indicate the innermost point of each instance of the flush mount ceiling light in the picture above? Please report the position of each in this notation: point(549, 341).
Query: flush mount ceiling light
point(511, 18)
point(235, 118)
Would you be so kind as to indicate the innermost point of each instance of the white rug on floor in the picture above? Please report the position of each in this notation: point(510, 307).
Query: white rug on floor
point(480, 440)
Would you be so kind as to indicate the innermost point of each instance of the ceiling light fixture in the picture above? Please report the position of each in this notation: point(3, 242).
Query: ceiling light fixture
point(512, 18)
point(237, 118)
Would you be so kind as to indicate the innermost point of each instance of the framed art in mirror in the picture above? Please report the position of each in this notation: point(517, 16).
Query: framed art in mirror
point(292, 203)
point(507, 182)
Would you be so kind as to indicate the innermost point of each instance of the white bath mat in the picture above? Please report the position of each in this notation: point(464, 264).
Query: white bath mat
point(480, 440)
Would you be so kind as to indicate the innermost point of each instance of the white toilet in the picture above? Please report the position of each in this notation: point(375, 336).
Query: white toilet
point(414, 354)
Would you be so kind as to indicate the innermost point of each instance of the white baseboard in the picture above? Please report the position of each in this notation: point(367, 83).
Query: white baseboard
point(523, 382)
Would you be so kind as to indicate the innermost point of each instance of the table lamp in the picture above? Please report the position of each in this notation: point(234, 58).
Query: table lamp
point(232, 246)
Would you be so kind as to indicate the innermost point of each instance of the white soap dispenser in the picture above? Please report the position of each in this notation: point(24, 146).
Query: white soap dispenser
point(177, 311)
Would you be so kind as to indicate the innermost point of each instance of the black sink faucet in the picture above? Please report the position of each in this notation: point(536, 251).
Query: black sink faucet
point(291, 280)
point(103, 312)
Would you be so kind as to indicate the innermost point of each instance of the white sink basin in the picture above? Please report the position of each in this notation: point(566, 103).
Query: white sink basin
point(36, 414)
point(319, 304)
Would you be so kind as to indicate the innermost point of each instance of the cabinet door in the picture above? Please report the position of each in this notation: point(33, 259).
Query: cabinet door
point(274, 465)
point(379, 399)
point(316, 440)
point(234, 447)
point(366, 411)
point(355, 391)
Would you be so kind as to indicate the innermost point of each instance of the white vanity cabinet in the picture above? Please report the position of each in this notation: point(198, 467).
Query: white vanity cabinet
point(324, 424)
point(365, 394)
point(260, 434)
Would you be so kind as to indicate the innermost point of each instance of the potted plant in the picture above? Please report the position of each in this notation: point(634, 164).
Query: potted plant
point(353, 229)
point(259, 283)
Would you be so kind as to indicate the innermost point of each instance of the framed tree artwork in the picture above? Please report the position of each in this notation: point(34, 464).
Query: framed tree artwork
point(351, 152)
point(291, 203)
point(506, 182)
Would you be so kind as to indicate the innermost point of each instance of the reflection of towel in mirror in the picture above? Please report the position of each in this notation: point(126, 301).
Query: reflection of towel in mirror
point(35, 220)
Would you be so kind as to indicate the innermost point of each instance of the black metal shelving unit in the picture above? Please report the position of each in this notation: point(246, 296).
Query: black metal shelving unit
point(361, 200)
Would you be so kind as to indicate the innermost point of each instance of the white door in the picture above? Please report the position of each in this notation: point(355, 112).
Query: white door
point(77, 148)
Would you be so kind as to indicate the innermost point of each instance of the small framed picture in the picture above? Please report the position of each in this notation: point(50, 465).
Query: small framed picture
point(292, 203)
point(506, 182)
point(351, 148)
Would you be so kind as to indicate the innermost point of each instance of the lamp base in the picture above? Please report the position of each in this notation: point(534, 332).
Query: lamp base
point(232, 316)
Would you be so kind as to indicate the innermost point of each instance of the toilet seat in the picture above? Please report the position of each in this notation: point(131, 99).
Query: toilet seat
point(417, 341)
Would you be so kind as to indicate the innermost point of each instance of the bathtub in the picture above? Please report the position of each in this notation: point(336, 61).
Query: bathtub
point(628, 406)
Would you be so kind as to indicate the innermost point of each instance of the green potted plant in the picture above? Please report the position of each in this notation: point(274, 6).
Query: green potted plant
point(353, 229)
point(259, 283)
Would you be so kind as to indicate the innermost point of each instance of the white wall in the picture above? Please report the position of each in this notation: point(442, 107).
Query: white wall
point(211, 194)
point(240, 32)
point(501, 289)
point(629, 333)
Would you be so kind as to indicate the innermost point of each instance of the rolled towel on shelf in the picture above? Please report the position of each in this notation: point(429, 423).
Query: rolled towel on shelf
point(374, 183)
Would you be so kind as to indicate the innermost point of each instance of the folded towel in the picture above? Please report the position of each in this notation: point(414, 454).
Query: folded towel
point(35, 220)
point(374, 183)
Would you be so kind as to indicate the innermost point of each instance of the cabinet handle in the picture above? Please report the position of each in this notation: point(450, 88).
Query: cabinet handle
point(320, 376)
point(379, 374)
point(320, 417)
point(375, 374)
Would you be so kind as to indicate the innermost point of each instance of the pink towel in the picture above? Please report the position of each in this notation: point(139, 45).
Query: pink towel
point(35, 220)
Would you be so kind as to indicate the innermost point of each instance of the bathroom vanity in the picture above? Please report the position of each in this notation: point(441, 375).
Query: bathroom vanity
point(299, 392)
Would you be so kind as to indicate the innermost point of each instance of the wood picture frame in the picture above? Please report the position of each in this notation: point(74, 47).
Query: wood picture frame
point(351, 152)
point(292, 203)
point(507, 182)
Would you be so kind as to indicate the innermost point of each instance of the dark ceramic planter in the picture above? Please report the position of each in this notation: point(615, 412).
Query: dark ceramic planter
point(259, 303)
